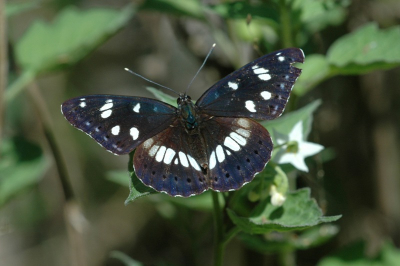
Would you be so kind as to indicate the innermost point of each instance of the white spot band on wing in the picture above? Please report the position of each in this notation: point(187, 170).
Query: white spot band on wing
point(136, 108)
point(134, 133)
point(250, 106)
point(115, 130)
point(183, 159)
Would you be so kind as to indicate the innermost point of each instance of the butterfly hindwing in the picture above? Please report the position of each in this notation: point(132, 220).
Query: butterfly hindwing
point(213, 144)
point(237, 148)
point(118, 123)
point(172, 162)
point(223, 155)
point(258, 90)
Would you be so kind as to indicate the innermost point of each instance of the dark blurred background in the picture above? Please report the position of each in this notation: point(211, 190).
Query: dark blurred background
point(358, 119)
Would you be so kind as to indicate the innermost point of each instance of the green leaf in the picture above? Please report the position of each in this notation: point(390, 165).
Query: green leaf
point(119, 177)
point(136, 188)
point(128, 261)
point(285, 123)
point(317, 15)
point(240, 10)
point(202, 202)
point(71, 36)
point(368, 48)
point(22, 165)
point(162, 96)
point(315, 69)
point(297, 213)
point(191, 8)
point(309, 238)
point(355, 255)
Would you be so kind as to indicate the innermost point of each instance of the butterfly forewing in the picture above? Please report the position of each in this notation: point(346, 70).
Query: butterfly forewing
point(118, 123)
point(213, 144)
point(258, 90)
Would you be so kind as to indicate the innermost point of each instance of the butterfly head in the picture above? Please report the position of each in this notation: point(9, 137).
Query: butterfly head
point(187, 111)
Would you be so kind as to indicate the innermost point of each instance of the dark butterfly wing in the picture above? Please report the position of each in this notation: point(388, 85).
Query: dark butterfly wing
point(258, 90)
point(237, 148)
point(225, 154)
point(172, 162)
point(118, 123)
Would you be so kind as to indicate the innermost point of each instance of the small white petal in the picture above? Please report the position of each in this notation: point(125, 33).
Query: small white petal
point(297, 132)
point(278, 199)
point(307, 149)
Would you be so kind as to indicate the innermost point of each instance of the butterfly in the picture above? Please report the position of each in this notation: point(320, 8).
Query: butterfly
point(215, 143)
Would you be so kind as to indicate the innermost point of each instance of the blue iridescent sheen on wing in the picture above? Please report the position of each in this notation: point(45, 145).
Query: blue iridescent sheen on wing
point(213, 144)
point(258, 90)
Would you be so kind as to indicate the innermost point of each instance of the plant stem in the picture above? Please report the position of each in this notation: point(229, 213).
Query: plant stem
point(286, 27)
point(44, 116)
point(19, 84)
point(287, 257)
point(219, 231)
point(3, 62)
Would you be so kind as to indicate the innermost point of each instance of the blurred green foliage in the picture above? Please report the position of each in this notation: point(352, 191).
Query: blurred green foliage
point(74, 33)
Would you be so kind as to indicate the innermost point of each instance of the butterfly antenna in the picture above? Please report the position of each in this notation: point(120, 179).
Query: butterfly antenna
point(146, 79)
point(198, 71)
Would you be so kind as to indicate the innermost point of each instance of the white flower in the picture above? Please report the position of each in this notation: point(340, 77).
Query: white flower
point(294, 149)
point(277, 198)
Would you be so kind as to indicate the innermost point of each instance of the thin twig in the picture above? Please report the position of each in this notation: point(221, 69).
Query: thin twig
point(219, 231)
point(44, 117)
point(3, 62)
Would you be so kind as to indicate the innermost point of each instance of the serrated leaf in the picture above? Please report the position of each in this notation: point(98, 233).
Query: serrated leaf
point(317, 15)
point(191, 8)
point(277, 242)
point(315, 69)
point(366, 49)
point(22, 165)
point(71, 36)
point(355, 255)
point(297, 213)
point(136, 188)
point(285, 123)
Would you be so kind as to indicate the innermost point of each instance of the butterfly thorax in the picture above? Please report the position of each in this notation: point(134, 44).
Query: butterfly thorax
point(188, 112)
